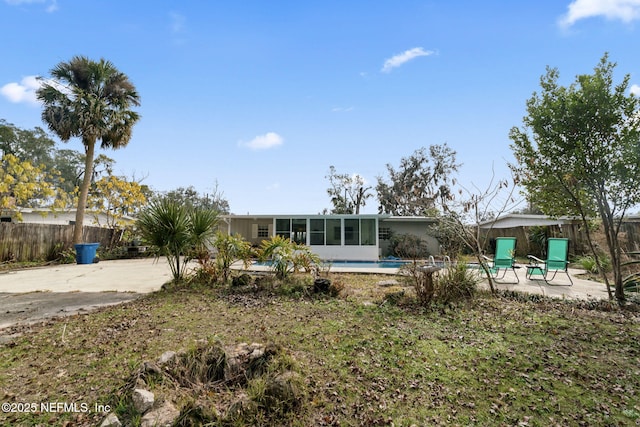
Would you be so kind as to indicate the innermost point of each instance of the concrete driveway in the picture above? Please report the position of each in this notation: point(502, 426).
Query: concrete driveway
point(35, 294)
point(131, 275)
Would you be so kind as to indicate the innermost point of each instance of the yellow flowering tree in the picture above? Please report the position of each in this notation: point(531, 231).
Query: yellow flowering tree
point(23, 184)
point(116, 197)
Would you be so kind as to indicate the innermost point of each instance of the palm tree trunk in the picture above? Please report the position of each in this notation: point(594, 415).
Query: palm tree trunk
point(89, 148)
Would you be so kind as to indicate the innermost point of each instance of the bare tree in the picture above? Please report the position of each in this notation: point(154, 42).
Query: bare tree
point(461, 218)
point(348, 192)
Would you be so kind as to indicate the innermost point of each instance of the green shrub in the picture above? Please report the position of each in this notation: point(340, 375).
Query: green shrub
point(230, 249)
point(538, 236)
point(177, 231)
point(456, 282)
point(408, 246)
point(287, 257)
point(423, 282)
point(588, 262)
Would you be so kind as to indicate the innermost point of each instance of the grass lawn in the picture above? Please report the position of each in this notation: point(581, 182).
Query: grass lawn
point(366, 360)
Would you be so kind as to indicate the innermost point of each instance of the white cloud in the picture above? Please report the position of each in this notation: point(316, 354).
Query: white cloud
point(624, 10)
point(341, 109)
point(397, 60)
point(25, 91)
point(51, 5)
point(635, 89)
point(263, 142)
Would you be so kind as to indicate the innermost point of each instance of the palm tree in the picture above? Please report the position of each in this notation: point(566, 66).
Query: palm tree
point(91, 100)
point(177, 231)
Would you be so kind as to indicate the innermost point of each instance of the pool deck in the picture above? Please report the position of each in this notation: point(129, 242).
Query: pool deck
point(560, 288)
point(148, 275)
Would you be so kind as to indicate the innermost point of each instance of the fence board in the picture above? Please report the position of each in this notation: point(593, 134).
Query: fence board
point(29, 242)
point(629, 238)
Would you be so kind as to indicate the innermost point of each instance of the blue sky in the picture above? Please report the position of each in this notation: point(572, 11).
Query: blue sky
point(263, 97)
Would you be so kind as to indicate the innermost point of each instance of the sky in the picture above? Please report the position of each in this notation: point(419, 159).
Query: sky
point(261, 98)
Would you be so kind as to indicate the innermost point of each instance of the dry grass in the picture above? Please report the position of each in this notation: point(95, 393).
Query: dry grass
point(368, 357)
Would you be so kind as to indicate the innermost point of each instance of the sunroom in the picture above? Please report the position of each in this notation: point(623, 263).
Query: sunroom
point(331, 237)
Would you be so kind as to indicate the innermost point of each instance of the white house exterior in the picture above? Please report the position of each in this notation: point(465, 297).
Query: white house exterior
point(525, 220)
point(331, 237)
point(66, 217)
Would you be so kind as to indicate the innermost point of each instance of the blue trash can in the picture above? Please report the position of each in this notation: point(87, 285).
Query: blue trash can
point(86, 252)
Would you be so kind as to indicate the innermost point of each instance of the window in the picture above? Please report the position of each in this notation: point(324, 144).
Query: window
point(352, 232)
point(263, 230)
point(368, 232)
point(334, 236)
point(317, 231)
point(283, 228)
point(299, 231)
point(384, 233)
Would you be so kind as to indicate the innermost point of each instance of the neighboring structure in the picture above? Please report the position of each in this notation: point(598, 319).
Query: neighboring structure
point(520, 226)
point(66, 217)
point(332, 237)
point(526, 220)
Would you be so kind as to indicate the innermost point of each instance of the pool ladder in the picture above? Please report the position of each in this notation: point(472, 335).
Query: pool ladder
point(446, 261)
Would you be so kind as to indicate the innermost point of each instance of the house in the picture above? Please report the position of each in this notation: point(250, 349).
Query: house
point(332, 237)
point(525, 220)
point(66, 217)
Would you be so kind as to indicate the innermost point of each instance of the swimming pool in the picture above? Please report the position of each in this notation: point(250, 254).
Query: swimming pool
point(352, 264)
point(367, 264)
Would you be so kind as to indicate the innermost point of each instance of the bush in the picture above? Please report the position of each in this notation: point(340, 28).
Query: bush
point(229, 249)
point(287, 257)
point(454, 283)
point(422, 281)
point(458, 282)
point(408, 246)
point(177, 232)
point(588, 262)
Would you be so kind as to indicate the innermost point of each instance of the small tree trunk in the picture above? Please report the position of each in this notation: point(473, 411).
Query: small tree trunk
point(84, 190)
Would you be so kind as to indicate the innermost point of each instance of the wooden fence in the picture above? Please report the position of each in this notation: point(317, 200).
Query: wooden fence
point(578, 244)
point(29, 242)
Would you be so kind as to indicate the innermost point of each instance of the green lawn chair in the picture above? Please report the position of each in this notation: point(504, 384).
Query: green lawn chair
point(557, 260)
point(504, 259)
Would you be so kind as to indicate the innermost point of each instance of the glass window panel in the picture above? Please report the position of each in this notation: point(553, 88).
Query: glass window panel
point(368, 232)
point(333, 232)
point(283, 227)
point(352, 232)
point(317, 231)
point(317, 225)
point(299, 231)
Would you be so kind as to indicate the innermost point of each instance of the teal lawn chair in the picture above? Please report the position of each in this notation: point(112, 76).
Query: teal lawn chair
point(504, 259)
point(557, 260)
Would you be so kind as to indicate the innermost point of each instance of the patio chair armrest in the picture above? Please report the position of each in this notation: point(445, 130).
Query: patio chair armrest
point(534, 259)
point(487, 258)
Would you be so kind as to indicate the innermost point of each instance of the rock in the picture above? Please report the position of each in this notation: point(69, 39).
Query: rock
point(151, 368)
point(242, 360)
point(111, 420)
point(164, 415)
point(166, 357)
point(143, 400)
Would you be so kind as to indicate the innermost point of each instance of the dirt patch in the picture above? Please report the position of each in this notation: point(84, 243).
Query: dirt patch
point(29, 308)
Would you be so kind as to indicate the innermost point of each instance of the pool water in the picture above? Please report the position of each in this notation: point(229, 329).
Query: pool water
point(367, 264)
point(356, 264)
